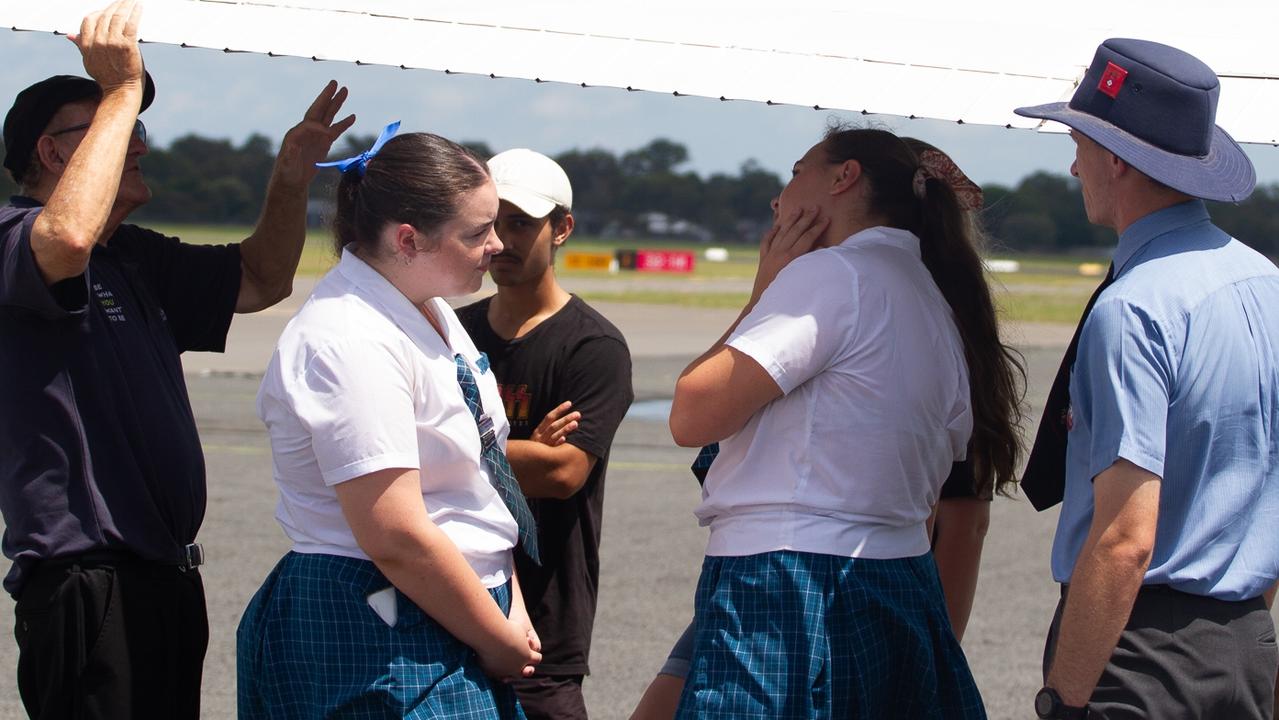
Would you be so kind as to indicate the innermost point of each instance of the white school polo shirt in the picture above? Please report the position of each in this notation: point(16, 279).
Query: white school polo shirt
point(361, 382)
point(874, 411)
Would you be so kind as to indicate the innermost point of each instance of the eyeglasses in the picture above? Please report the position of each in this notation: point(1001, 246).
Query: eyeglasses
point(139, 130)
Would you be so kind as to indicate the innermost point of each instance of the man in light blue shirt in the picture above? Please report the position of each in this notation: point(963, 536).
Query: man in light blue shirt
point(1167, 538)
point(1175, 375)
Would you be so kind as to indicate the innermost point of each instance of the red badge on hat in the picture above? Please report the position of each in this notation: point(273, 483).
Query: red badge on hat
point(1112, 80)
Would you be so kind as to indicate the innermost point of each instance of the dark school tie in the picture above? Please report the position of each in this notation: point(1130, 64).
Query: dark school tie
point(495, 460)
point(1044, 480)
point(702, 463)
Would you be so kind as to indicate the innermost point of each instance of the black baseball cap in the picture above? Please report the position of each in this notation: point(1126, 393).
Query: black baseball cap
point(35, 106)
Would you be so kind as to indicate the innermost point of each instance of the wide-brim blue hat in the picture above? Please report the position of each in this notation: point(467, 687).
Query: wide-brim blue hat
point(1155, 107)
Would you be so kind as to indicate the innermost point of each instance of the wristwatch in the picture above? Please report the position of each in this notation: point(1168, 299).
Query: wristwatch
point(1048, 705)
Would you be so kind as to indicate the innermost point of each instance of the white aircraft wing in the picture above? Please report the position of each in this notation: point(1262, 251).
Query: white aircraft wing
point(970, 62)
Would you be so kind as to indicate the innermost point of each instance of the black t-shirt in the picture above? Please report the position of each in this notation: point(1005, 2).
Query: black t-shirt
point(575, 355)
point(100, 449)
point(961, 483)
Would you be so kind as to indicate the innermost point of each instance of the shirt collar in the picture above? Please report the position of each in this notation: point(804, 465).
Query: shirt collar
point(396, 306)
point(881, 235)
point(1160, 222)
point(22, 201)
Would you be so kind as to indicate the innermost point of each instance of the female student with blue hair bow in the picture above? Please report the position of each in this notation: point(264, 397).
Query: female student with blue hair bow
point(399, 597)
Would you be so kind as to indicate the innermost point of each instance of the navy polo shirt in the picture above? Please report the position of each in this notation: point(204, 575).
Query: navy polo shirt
point(100, 449)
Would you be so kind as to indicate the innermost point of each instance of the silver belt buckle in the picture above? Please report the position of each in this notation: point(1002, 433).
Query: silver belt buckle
point(192, 557)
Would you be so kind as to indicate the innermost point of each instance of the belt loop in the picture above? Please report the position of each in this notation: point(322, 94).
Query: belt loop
point(192, 557)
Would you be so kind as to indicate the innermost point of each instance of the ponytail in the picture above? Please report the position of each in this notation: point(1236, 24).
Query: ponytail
point(348, 211)
point(996, 373)
point(948, 237)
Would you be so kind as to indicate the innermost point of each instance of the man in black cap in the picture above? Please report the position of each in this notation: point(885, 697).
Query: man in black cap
point(102, 481)
point(1162, 429)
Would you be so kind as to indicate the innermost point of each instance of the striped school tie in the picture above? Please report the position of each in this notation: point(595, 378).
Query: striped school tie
point(495, 460)
point(702, 463)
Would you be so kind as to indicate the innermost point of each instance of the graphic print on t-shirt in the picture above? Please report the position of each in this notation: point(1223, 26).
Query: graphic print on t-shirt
point(113, 309)
point(517, 400)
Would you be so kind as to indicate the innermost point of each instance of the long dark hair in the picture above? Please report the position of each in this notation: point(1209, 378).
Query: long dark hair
point(948, 244)
point(416, 178)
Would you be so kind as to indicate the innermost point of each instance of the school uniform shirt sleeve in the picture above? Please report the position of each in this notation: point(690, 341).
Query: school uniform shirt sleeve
point(802, 322)
point(1120, 387)
point(21, 284)
point(599, 381)
point(355, 397)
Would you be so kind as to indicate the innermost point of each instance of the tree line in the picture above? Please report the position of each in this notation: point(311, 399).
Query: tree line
point(214, 181)
point(1045, 213)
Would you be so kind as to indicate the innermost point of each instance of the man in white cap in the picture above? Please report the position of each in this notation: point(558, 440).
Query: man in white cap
point(556, 358)
point(1162, 430)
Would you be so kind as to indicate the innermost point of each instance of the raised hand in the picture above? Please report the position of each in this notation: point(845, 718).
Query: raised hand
point(309, 141)
point(108, 43)
point(789, 238)
point(556, 426)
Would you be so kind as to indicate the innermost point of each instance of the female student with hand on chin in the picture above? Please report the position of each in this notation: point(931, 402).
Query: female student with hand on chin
point(840, 401)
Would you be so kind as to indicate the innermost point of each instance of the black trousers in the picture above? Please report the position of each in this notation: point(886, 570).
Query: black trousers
point(110, 636)
point(551, 697)
point(1186, 656)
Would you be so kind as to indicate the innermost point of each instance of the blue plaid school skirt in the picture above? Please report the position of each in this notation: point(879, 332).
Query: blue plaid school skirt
point(801, 635)
point(309, 646)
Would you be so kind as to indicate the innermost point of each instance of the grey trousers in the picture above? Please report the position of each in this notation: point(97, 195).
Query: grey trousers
point(1186, 656)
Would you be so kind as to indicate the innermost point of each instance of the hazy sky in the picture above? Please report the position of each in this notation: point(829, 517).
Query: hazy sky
point(231, 95)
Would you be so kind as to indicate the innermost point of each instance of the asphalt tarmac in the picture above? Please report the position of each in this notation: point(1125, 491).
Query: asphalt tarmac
point(651, 549)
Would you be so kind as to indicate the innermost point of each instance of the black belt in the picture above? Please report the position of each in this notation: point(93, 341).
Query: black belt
point(192, 558)
point(1159, 589)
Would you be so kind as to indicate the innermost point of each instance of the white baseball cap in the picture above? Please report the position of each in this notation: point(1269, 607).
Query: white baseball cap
point(531, 181)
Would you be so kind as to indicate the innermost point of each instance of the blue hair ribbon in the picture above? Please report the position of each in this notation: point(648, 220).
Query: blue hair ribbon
point(359, 162)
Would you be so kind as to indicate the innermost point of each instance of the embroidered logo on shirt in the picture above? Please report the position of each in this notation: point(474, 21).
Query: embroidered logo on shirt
point(106, 299)
point(1112, 79)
